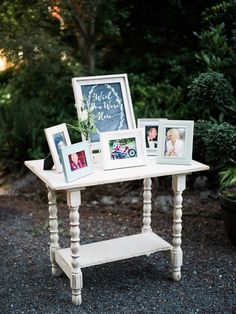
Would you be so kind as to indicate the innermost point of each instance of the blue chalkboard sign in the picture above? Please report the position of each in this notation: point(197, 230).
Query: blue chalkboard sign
point(110, 100)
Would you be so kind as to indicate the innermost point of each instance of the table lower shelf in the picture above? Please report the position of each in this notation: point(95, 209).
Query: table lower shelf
point(112, 250)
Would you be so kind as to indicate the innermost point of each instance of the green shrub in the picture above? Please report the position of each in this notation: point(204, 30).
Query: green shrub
point(214, 143)
point(38, 96)
point(210, 96)
point(221, 143)
point(201, 128)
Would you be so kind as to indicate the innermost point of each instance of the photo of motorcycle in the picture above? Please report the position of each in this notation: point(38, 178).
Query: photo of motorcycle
point(120, 153)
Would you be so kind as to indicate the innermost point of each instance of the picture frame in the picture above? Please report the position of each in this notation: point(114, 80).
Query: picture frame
point(76, 161)
point(121, 149)
point(150, 126)
point(175, 142)
point(57, 136)
point(108, 99)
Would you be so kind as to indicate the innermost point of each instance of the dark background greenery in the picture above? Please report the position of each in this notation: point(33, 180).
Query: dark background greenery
point(179, 56)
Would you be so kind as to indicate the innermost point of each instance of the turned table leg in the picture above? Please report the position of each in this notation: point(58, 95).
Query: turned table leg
point(53, 228)
point(147, 204)
point(178, 186)
point(74, 201)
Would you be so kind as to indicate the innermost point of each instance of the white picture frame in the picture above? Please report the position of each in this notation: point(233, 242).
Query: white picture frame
point(76, 161)
point(150, 126)
point(109, 99)
point(122, 149)
point(57, 136)
point(175, 142)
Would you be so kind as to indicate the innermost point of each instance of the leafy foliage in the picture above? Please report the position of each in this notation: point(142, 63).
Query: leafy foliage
point(85, 123)
point(223, 143)
point(214, 143)
point(35, 98)
point(217, 53)
point(154, 100)
point(28, 32)
point(210, 95)
point(228, 176)
point(217, 39)
point(90, 26)
point(200, 140)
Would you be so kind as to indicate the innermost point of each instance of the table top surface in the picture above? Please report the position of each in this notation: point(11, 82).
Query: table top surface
point(57, 181)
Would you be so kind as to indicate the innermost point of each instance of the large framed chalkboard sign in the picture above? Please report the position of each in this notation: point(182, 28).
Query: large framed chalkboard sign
point(108, 97)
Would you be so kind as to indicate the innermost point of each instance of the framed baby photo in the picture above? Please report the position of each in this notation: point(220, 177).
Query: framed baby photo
point(76, 161)
point(121, 149)
point(175, 142)
point(151, 134)
point(107, 98)
point(57, 137)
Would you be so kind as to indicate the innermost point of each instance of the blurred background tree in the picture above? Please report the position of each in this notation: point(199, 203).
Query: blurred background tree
point(172, 51)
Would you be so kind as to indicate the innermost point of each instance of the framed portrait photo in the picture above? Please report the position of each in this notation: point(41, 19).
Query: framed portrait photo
point(175, 142)
point(151, 134)
point(108, 99)
point(76, 161)
point(121, 149)
point(57, 137)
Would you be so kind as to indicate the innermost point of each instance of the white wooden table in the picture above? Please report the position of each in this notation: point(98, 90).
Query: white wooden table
point(71, 260)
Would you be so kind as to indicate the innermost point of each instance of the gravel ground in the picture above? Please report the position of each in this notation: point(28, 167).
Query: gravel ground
point(138, 285)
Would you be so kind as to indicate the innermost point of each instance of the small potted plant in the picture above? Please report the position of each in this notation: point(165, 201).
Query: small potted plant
point(227, 197)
